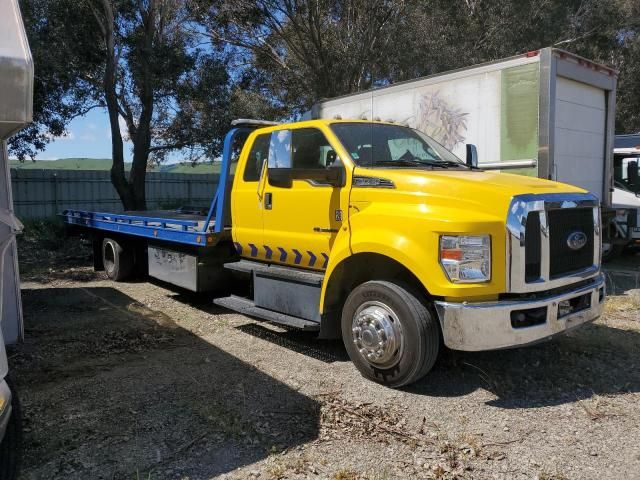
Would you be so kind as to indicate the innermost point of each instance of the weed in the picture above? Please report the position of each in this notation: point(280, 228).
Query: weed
point(44, 233)
point(346, 474)
point(277, 471)
point(552, 476)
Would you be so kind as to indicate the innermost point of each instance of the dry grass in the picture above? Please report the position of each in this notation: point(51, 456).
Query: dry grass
point(618, 304)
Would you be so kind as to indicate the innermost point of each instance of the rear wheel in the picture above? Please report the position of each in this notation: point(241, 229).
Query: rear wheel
point(118, 261)
point(389, 334)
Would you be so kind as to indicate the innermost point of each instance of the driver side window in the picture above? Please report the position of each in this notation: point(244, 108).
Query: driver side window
point(303, 154)
point(301, 149)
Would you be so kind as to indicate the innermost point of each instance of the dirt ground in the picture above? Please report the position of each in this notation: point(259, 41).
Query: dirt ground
point(137, 381)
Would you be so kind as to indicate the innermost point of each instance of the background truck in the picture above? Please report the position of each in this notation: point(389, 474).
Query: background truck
point(626, 193)
point(547, 113)
point(374, 233)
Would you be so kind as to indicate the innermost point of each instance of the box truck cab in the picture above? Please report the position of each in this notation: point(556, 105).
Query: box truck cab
point(626, 193)
point(375, 233)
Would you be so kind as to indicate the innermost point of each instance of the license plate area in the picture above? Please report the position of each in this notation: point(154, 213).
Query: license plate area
point(574, 305)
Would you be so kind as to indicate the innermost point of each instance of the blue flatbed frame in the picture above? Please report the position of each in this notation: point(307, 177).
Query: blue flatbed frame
point(185, 232)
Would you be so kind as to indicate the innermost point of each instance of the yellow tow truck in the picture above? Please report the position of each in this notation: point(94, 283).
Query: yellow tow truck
point(374, 233)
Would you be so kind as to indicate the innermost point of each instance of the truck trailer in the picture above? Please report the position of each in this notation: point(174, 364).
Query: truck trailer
point(546, 113)
point(377, 234)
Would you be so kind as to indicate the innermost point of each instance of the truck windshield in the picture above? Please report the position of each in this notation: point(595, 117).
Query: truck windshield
point(393, 146)
point(626, 174)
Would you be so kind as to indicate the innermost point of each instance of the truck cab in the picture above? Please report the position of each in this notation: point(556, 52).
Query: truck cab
point(374, 233)
point(388, 240)
point(626, 193)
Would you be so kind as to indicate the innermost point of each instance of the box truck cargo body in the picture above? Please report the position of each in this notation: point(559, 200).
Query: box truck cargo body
point(549, 112)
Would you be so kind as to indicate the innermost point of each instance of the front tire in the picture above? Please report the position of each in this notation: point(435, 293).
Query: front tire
point(390, 335)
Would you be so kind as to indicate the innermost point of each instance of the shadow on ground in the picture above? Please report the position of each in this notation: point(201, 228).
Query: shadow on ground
point(594, 360)
point(112, 389)
point(298, 341)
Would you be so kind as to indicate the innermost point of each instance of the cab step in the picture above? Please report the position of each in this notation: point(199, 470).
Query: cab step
point(247, 307)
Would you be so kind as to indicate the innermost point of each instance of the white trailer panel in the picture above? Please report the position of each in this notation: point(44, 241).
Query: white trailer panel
point(548, 106)
point(16, 93)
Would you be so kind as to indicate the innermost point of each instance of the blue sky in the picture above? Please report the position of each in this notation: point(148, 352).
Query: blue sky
point(90, 137)
point(87, 136)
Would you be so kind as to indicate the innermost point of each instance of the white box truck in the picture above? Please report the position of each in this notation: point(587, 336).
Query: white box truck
point(546, 113)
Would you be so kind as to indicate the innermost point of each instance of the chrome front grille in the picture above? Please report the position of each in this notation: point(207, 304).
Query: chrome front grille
point(538, 253)
point(562, 223)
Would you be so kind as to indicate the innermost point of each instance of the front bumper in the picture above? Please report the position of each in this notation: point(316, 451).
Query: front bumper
point(490, 325)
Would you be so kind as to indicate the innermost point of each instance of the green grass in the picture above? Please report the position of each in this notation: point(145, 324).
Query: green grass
point(105, 164)
point(64, 164)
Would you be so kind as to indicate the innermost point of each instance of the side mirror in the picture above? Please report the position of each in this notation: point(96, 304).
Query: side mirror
point(337, 175)
point(472, 156)
point(280, 177)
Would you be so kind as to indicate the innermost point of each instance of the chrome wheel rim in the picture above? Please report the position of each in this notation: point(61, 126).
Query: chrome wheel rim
point(377, 334)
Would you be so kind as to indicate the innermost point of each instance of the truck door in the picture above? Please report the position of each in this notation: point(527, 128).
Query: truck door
point(303, 211)
point(246, 205)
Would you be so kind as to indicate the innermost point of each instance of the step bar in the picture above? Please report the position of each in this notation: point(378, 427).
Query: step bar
point(247, 307)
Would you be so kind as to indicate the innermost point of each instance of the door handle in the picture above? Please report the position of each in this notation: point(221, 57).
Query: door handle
point(268, 199)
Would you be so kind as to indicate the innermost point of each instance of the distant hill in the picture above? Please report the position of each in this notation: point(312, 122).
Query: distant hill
point(105, 164)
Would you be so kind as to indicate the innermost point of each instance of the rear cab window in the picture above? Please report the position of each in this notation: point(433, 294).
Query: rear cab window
point(257, 155)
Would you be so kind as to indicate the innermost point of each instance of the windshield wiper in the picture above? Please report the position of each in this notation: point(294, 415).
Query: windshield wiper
point(419, 163)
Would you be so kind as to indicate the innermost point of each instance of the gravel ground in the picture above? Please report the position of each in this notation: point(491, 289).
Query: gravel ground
point(137, 381)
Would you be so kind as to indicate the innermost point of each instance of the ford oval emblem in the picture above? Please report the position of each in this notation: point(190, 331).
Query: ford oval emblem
point(576, 240)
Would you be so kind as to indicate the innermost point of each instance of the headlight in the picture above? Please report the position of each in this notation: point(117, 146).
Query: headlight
point(466, 259)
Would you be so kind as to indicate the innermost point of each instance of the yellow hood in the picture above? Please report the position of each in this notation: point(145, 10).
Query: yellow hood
point(482, 192)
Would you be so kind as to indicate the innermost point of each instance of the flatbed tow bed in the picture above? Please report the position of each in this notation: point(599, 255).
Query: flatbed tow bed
point(170, 226)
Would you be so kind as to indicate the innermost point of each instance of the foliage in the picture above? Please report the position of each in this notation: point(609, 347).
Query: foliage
point(60, 92)
point(308, 49)
point(143, 62)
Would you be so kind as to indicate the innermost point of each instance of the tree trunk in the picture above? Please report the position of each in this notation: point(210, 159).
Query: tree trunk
point(132, 191)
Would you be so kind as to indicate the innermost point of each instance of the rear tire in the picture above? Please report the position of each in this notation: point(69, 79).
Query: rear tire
point(118, 261)
point(390, 335)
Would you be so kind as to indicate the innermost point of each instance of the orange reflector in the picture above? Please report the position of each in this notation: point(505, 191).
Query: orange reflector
point(452, 254)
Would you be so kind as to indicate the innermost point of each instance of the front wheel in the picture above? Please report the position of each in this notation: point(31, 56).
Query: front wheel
point(389, 334)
